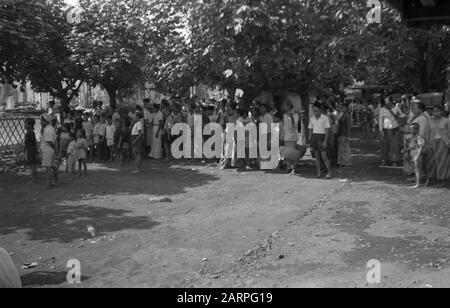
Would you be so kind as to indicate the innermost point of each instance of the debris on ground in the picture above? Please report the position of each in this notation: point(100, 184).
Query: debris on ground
point(29, 265)
point(91, 230)
point(160, 200)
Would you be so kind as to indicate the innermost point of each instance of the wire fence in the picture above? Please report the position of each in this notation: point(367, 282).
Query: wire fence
point(12, 138)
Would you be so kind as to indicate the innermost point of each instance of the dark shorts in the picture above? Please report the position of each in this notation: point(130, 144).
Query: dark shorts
point(165, 138)
point(138, 148)
point(317, 142)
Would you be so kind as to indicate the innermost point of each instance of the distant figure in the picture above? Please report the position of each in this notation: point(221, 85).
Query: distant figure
point(10, 103)
point(9, 276)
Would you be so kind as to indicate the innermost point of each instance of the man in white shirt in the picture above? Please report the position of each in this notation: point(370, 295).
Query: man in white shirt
point(48, 149)
point(137, 143)
point(390, 130)
point(319, 131)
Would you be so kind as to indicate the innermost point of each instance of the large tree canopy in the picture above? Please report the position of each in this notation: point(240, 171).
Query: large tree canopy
point(271, 44)
point(406, 59)
point(120, 42)
point(252, 45)
point(34, 47)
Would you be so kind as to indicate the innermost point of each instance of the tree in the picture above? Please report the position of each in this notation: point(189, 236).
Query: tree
point(270, 44)
point(120, 42)
point(405, 59)
point(34, 48)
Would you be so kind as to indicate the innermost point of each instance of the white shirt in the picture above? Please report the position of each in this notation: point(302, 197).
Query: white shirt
point(49, 135)
point(137, 129)
point(102, 130)
point(150, 118)
point(267, 118)
point(110, 131)
point(88, 129)
point(320, 125)
point(387, 119)
point(290, 128)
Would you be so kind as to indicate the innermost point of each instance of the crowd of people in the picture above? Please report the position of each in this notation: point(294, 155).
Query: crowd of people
point(74, 138)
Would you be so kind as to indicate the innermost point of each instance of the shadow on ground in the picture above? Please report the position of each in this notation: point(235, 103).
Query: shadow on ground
point(62, 214)
point(40, 279)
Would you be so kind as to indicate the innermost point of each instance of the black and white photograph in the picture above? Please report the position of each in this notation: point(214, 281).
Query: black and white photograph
point(224, 149)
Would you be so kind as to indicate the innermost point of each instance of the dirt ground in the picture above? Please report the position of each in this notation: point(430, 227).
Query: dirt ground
point(224, 229)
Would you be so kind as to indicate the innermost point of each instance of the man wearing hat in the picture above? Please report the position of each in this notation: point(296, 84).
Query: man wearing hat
point(48, 148)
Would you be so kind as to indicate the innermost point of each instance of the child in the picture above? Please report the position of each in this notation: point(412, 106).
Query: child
point(82, 152)
point(320, 129)
point(415, 148)
point(72, 154)
point(64, 140)
point(96, 137)
point(89, 130)
point(110, 131)
point(123, 146)
point(31, 149)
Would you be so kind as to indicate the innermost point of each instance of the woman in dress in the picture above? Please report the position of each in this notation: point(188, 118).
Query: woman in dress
point(418, 116)
point(158, 127)
point(439, 147)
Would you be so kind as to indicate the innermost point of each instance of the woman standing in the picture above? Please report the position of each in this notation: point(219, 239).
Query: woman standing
point(158, 127)
point(417, 116)
point(344, 152)
point(439, 147)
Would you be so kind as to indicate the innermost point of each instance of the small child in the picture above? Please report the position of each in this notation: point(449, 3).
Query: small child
point(64, 140)
point(72, 154)
point(82, 152)
point(31, 149)
point(110, 131)
point(415, 148)
point(123, 146)
point(89, 130)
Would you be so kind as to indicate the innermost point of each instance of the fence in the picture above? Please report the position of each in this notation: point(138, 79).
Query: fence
point(12, 137)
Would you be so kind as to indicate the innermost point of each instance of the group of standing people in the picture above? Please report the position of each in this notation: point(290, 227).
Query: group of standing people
point(426, 140)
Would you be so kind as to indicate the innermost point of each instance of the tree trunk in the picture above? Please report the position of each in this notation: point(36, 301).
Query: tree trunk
point(249, 95)
point(112, 93)
point(304, 95)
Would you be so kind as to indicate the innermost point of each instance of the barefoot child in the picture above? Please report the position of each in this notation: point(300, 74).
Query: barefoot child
point(89, 130)
point(416, 147)
point(72, 154)
point(64, 140)
point(82, 152)
point(123, 146)
point(31, 148)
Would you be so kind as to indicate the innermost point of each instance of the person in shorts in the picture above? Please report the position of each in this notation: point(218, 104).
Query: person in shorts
point(320, 129)
point(48, 149)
